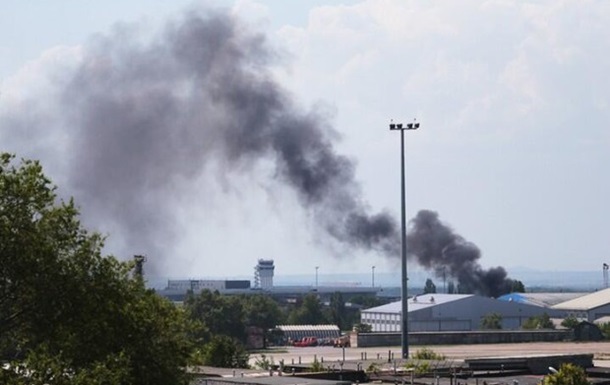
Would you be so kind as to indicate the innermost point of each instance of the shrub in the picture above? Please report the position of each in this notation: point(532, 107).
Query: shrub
point(427, 354)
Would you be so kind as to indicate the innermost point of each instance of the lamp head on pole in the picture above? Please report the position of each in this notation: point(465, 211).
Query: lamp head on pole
point(400, 127)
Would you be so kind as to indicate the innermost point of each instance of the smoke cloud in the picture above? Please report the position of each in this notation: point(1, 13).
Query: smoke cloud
point(139, 121)
point(144, 118)
point(437, 247)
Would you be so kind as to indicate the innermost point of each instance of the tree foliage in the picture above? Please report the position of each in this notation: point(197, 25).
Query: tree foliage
point(65, 308)
point(337, 312)
point(363, 328)
point(492, 321)
point(570, 322)
point(542, 321)
point(568, 374)
point(224, 352)
point(309, 312)
point(430, 287)
point(517, 286)
point(605, 329)
point(217, 314)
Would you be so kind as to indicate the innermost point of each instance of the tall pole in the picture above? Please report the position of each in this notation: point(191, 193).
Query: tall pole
point(403, 211)
point(373, 279)
point(404, 295)
point(317, 267)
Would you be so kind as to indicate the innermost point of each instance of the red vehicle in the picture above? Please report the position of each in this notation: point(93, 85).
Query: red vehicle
point(306, 341)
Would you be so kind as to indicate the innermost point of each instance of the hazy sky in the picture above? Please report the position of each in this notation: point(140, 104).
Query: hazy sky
point(513, 99)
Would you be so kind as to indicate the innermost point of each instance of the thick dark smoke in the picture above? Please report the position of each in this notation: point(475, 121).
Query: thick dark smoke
point(437, 247)
point(144, 119)
point(140, 122)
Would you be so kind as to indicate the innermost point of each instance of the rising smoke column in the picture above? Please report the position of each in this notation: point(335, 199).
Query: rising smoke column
point(437, 247)
point(144, 118)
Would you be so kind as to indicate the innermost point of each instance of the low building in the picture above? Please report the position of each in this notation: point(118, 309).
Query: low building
point(450, 312)
point(296, 332)
point(589, 307)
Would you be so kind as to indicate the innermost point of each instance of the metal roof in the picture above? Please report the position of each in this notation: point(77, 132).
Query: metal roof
point(418, 302)
point(540, 299)
point(308, 327)
point(586, 302)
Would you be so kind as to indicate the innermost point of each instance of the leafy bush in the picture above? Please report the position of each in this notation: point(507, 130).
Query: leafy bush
point(605, 328)
point(427, 354)
point(570, 322)
point(263, 362)
point(373, 368)
point(538, 322)
point(419, 368)
point(316, 366)
point(492, 321)
point(568, 374)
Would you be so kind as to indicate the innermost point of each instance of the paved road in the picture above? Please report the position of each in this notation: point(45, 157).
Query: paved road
point(600, 350)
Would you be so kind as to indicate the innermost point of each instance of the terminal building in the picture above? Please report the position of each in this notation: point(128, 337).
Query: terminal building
point(177, 290)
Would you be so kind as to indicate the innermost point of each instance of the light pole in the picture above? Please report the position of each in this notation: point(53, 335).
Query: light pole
point(404, 322)
point(373, 272)
point(317, 267)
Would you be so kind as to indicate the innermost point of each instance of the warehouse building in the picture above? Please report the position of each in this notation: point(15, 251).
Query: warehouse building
point(590, 307)
point(451, 312)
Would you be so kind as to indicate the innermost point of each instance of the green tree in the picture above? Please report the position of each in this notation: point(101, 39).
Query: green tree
point(568, 374)
point(218, 314)
point(492, 321)
point(225, 352)
point(430, 287)
point(308, 313)
point(517, 287)
point(337, 311)
point(605, 329)
point(570, 322)
point(263, 312)
point(363, 328)
point(542, 321)
point(451, 287)
point(65, 308)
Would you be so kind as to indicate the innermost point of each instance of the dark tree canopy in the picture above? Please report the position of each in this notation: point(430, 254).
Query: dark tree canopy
point(65, 307)
point(430, 287)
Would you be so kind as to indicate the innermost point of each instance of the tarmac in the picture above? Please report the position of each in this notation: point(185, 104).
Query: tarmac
point(328, 355)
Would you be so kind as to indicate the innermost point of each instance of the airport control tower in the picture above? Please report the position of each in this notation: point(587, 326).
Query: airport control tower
point(263, 274)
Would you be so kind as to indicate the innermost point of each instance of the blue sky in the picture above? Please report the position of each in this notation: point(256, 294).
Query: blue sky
point(513, 98)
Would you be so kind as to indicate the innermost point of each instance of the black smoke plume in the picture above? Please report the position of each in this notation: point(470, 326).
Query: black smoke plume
point(142, 120)
point(437, 247)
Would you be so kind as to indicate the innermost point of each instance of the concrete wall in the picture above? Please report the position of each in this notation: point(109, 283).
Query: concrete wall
point(467, 337)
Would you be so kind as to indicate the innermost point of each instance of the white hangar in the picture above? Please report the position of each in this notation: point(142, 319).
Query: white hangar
point(451, 312)
point(590, 307)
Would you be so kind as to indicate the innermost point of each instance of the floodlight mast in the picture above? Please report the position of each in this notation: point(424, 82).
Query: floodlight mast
point(404, 296)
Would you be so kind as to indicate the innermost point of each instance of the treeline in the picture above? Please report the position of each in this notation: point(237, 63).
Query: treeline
point(69, 315)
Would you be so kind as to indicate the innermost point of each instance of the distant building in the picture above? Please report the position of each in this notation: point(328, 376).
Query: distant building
point(589, 307)
point(450, 312)
point(177, 290)
point(263, 274)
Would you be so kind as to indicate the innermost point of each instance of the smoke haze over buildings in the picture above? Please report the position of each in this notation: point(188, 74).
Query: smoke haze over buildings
point(143, 119)
point(140, 120)
point(437, 247)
